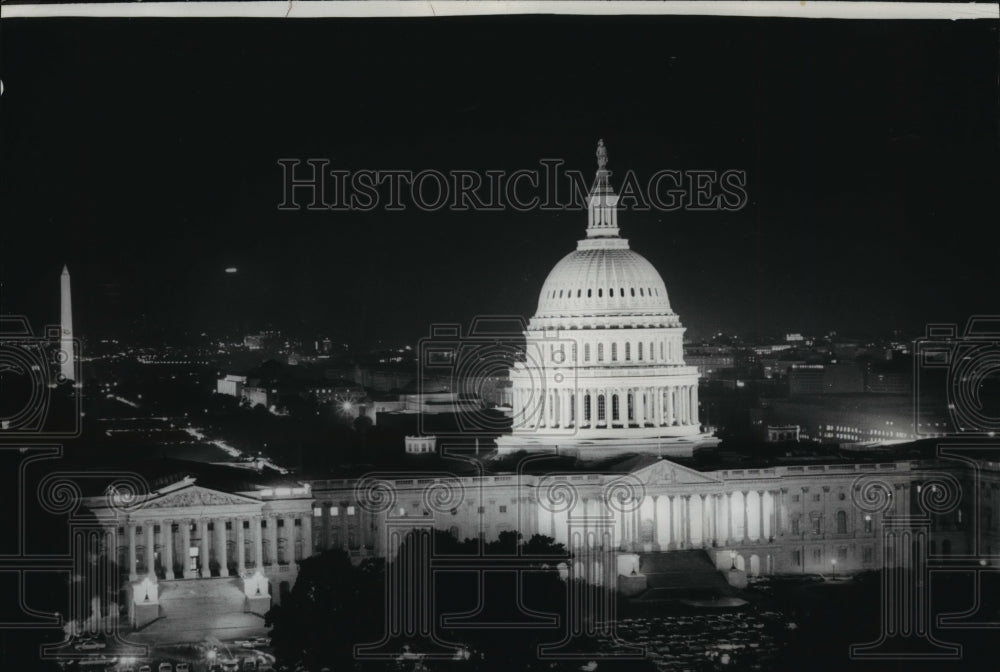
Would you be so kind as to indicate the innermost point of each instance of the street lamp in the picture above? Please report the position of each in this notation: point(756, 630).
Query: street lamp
point(833, 563)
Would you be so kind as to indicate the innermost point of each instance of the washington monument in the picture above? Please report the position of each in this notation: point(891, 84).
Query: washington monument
point(66, 353)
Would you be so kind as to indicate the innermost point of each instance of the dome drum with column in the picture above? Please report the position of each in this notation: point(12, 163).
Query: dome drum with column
point(603, 365)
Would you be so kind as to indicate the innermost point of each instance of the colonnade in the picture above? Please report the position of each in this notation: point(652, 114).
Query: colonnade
point(345, 526)
point(668, 522)
point(213, 536)
point(601, 407)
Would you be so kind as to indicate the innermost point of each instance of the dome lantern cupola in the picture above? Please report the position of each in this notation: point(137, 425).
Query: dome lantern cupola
point(602, 203)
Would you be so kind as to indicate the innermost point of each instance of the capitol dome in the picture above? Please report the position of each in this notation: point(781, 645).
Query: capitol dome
point(603, 369)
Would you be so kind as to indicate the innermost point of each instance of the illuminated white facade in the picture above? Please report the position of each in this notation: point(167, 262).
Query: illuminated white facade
point(603, 367)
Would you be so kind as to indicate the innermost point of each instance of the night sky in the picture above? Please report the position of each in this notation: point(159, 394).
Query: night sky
point(143, 153)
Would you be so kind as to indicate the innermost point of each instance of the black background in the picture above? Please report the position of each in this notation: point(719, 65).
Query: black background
point(143, 153)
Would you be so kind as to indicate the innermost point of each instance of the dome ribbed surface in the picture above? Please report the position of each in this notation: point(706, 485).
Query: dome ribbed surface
point(603, 278)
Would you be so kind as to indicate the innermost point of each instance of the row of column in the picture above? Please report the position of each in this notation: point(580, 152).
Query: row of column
point(679, 525)
point(346, 526)
point(256, 525)
point(601, 407)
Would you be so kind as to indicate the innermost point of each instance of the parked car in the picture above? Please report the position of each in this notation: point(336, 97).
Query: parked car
point(165, 667)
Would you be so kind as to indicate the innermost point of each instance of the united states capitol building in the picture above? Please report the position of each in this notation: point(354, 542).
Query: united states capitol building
point(601, 457)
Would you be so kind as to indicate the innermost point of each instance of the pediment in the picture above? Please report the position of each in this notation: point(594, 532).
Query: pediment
point(665, 472)
point(196, 496)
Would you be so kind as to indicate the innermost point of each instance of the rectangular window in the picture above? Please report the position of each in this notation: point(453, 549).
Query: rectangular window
point(816, 525)
point(816, 497)
point(317, 511)
point(156, 528)
point(482, 509)
point(868, 523)
point(797, 558)
point(281, 522)
point(297, 522)
point(503, 509)
point(350, 510)
point(817, 555)
point(795, 526)
point(246, 524)
point(841, 554)
point(795, 498)
point(868, 555)
point(229, 525)
point(138, 531)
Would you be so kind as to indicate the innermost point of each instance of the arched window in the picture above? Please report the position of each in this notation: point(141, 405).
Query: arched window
point(586, 352)
point(600, 291)
point(614, 352)
point(641, 292)
point(628, 352)
point(586, 408)
point(589, 293)
point(841, 522)
point(640, 351)
point(615, 410)
point(601, 411)
point(600, 352)
point(633, 291)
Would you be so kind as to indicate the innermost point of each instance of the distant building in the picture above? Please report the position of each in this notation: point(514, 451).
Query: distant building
point(231, 385)
point(711, 362)
point(856, 418)
point(263, 396)
point(262, 340)
point(416, 445)
point(843, 378)
point(888, 382)
point(805, 379)
point(778, 433)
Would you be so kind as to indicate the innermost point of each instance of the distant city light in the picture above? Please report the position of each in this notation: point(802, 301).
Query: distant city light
point(231, 269)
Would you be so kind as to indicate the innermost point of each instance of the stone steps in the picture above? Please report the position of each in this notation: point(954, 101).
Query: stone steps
point(687, 569)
